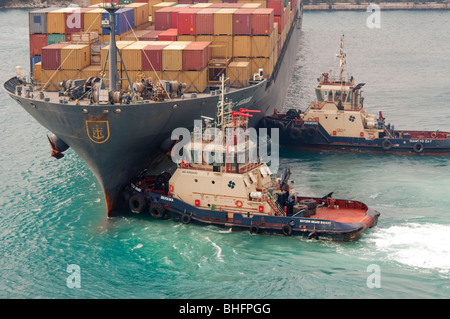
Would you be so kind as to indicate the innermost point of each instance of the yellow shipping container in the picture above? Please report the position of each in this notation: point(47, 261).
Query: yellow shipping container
point(262, 45)
point(196, 81)
point(223, 21)
point(93, 20)
point(190, 38)
point(262, 63)
point(132, 55)
point(75, 56)
point(37, 72)
point(131, 36)
point(104, 53)
point(172, 56)
point(242, 46)
point(92, 70)
point(222, 46)
point(247, 5)
point(52, 78)
point(239, 73)
point(56, 22)
point(141, 13)
point(201, 5)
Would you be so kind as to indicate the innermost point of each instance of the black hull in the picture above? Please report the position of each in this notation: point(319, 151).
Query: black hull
point(134, 133)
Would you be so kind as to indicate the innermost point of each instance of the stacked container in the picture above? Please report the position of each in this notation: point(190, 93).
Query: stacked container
point(172, 57)
point(186, 21)
point(75, 57)
point(124, 19)
point(151, 56)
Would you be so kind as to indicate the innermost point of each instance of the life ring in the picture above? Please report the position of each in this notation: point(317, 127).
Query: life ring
point(186, 219)
point(254, 229)
point(287, 230)
point(433, 135)
point(137, 203)
point(184, 164)
point(171, 188)
point(295, 133)
point(239, 203)
point(157, 210)
point(418, 147)
point(386, 145)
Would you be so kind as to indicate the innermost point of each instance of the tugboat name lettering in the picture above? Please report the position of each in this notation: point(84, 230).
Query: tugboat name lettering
point(167, 198)
point(420, 141)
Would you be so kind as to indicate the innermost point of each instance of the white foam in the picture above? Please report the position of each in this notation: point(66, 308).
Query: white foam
point(417, 245)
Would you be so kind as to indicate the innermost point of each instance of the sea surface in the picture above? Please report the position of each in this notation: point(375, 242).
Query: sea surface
point(52, 213)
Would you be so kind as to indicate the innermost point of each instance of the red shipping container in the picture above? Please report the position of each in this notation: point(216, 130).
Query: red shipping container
point(168, 35)
point(204, 21)
point(186, 21)
point(195, 56)
point(163, 19)
point(242, 22)
point(152, 57)
point(75, 20)
point(151, 35)
point(226, 5)
point(185, 2)
point(37, 42)
point(51, 56)
point(262, 21)
point(277, 6)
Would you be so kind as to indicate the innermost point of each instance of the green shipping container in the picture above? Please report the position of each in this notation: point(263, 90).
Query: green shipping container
point(126, 1)
point(55, 38)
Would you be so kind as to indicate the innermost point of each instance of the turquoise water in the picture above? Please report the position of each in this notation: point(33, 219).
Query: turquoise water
point(52, 212)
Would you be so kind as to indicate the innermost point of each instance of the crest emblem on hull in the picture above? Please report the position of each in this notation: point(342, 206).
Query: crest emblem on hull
point(98, 131)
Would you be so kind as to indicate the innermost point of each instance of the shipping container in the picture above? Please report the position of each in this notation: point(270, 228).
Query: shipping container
point(201, 5)
point(75, 57)
point(186, 21)
point(132, 55)
point(223, 21)
point(141, 13)
point(262, 63)
point(277, 6)
point(159, 6)
point(196, 81)
point(51, 56)
point(262, 21)
point(56, 22)
point(52, 78)
point(163, 18)
point(134, 35)
point(242, 46)
point(251, 5)
point(33, 60)
point(168, 35)
point(242, 22)
point(37, 42)
point(55, 38)
point(104, 53)
point(151, 35)
point(262, 45)
point(74, 20)
point(172, 58)
point(222, 46)
point(204, 21)
point(151, 57)
point(189, 38)
point(124, 19)
point(223, 5)
point(92, 71)
point(238, 73)
point(38, 20)
point(195, 56)
point(84, 37)
point(37, 72)
point(93, 20)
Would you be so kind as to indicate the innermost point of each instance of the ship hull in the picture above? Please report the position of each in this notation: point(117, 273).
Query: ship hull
point(130, 134)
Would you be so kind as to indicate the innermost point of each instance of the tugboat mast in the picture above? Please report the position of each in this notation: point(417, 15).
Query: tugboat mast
point(113, 76)
point(341, 57)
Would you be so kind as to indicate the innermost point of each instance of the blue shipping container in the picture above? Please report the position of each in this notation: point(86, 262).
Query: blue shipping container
point(124, 20)
point(34, 59)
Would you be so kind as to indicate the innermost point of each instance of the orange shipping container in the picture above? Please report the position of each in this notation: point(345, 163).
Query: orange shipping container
point(195, 56)
point(239, 73)
point(242, 46)
point(223, 21)
point(222, 46)
point(37, 72)
point(56, 22)
point(262, 45)
point(75, 57)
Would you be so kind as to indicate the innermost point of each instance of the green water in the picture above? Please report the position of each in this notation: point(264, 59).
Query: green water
point(53, 212)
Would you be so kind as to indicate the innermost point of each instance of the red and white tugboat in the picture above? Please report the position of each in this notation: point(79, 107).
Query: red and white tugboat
point(336, 120)
point(245, 196)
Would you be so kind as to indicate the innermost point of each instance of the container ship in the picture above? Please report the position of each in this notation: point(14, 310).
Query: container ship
point(113, 80)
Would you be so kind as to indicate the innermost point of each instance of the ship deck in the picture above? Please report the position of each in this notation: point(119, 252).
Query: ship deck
point(341, 215)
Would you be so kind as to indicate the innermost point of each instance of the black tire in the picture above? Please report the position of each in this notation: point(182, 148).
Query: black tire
point(313, 235)
point(295, 133)
point(311, 131)
point(280, 125)
point(137, 203)
point(386, 145)
point(286, 230)
point(157, 210)
point(254, 229)
point(311, 203)
point(418, 147)
point(186, 219)
point(292, 114)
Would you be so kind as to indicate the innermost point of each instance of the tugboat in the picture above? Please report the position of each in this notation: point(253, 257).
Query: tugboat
point(336, 120)
point(244, 196)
